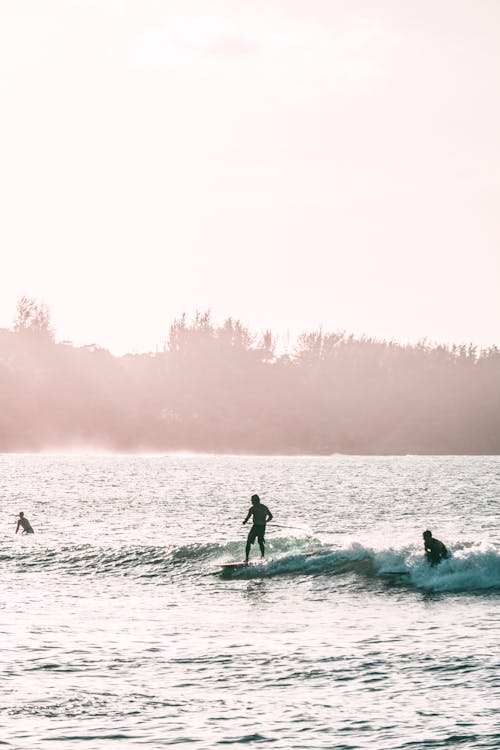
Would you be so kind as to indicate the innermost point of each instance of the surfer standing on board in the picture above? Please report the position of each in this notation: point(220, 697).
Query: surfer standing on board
point(23, 523)
point(261, 515)
point(435, 551)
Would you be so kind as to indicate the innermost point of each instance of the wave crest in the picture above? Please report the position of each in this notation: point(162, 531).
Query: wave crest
point(472, 567)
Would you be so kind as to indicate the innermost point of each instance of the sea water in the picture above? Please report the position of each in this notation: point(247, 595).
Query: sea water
point(118, 629)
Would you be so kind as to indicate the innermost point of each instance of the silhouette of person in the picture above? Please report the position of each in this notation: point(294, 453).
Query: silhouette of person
point(435, 551)
point(25, 524)
point(261, 515)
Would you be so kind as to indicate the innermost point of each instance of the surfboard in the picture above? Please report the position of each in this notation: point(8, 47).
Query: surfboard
point(236, 565)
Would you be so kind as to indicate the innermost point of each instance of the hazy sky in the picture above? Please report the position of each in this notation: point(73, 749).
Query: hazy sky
point(290, 163)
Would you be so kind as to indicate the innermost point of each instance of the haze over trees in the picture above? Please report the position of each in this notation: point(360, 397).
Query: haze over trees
point(221, 388)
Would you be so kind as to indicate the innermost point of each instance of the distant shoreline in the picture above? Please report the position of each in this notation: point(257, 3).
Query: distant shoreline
point(83, 452)
point(221, 389)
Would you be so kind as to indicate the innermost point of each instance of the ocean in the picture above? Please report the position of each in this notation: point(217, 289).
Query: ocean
point(120, 630)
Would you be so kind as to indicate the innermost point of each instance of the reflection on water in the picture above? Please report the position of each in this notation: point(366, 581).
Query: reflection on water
point(256, 592)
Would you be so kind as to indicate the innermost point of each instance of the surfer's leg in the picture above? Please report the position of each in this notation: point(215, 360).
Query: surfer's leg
point(261, 544)
point(250, 541)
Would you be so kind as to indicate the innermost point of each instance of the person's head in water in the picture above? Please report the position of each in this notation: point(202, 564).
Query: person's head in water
point(255, 499)
point(427, 534)
point(21, 515)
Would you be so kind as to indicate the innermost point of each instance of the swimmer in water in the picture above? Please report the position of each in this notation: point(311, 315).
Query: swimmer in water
point(24, 524)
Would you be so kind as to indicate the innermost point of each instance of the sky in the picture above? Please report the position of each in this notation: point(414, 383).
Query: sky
point(291, 163)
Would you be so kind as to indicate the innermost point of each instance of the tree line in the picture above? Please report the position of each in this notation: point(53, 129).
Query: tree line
point(222, 388)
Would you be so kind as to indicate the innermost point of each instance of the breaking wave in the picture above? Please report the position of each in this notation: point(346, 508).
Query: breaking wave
point(471, 568)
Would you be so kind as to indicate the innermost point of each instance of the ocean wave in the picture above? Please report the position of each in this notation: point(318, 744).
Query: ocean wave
point(141, 561)
point(471, 567)
point(88, 559)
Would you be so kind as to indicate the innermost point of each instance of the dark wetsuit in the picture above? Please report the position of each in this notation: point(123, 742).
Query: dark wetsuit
point(435, 551)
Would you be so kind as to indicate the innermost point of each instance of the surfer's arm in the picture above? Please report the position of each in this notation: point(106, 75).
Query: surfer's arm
point(248, 516)
point(18, 525)
point(269, 516)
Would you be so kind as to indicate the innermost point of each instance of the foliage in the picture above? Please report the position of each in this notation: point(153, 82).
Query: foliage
point(225, 389)
point(33, 318)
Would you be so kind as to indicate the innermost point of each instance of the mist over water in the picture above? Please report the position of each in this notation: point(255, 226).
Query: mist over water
point(120, 630)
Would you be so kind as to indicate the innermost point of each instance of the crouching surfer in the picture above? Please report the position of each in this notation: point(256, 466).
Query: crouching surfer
point(435, 551)
point(261, 515)
point(24, 524)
